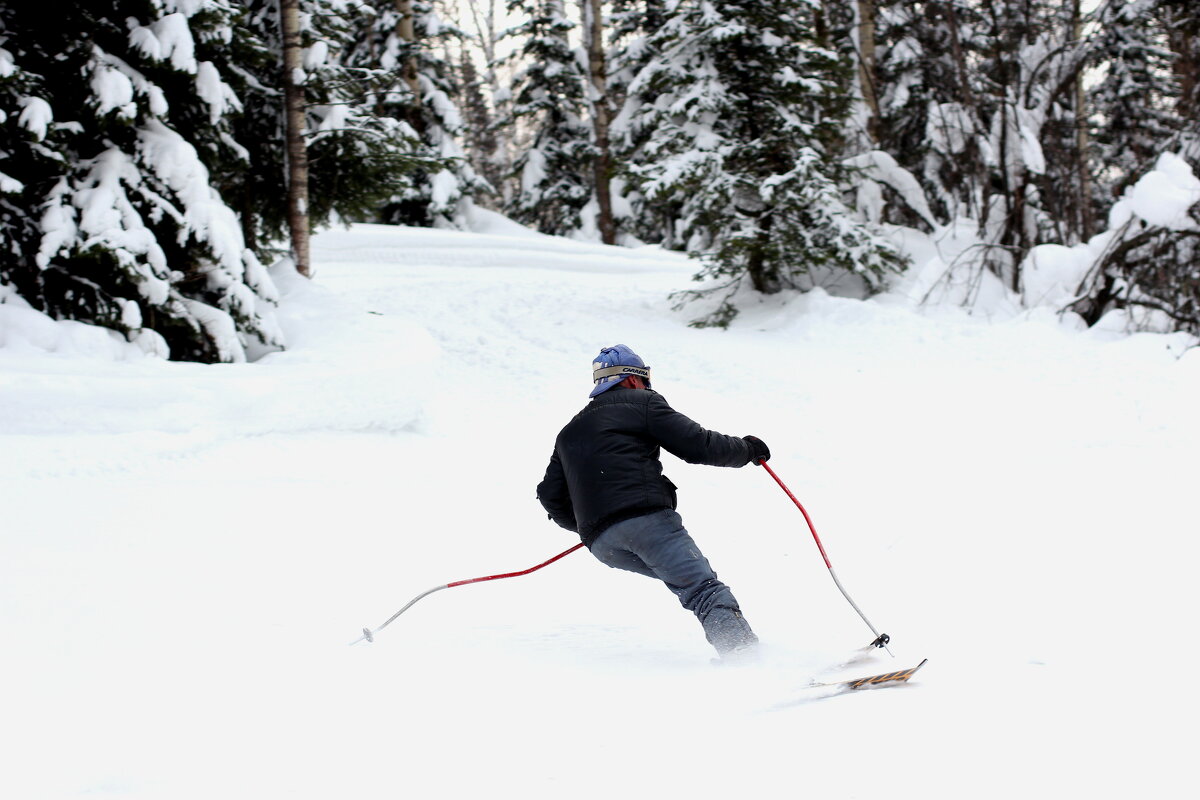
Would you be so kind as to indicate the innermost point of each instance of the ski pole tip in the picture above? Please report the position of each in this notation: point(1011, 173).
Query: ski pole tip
point(367, 635)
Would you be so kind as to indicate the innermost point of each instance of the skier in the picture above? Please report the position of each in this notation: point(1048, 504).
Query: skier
point(605, 482)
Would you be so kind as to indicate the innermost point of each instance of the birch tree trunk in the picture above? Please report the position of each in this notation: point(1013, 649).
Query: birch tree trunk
point(297, 153)
point(1087, 221)
point(866, 65)
point(406, 29)
point(1182, 32)
point(499, 158)
point(601, 119)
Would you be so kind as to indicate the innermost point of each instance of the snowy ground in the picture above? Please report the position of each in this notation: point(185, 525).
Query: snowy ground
point(187, 550)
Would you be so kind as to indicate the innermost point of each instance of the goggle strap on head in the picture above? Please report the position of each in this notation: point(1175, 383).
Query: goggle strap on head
point(622, 370)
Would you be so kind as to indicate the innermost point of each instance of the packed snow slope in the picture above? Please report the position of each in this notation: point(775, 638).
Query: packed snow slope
point(187, 550)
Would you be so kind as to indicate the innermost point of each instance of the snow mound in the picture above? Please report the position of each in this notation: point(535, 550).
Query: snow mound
point(1163, 196)
point(25, 331)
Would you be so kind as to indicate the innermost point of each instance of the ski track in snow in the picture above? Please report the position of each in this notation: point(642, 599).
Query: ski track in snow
point(187, 549)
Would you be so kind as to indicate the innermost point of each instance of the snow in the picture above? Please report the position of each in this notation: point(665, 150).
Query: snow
point(443, 188)
point(175, 41)
point(881, 167)
point(1163, 196)
point(949, 126)
point(221, 99)
point(219, 326)
point(24, 330)
point(188, 549)
point(534, 171)
point(1031, 151)
point(10, 185)
point(143, 39)
point(36, 116)
point(112, 89)
point(315, 56)
point(1052, 274)
point(7, 65)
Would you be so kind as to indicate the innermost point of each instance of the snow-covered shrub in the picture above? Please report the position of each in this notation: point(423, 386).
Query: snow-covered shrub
point(1146, 267)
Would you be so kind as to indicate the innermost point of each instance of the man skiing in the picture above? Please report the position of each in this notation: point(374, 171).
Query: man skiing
point(605, 482)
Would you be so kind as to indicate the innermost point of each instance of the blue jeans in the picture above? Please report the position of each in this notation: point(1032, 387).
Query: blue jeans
point(658, 546)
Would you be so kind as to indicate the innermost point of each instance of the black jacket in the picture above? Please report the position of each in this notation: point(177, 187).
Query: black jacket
point(605, 467)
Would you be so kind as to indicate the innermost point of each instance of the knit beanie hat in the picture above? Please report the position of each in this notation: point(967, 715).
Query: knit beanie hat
point(615, 364)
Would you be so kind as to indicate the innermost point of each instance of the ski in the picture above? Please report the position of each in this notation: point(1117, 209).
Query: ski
point(899, 676)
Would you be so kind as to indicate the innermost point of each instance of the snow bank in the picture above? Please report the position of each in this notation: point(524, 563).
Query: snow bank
point(346, 373)
point(482, 220)
point(25, 331)
point(1051, 275)
point(946, 279)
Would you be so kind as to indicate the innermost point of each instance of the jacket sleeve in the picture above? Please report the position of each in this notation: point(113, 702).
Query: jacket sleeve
point(682, 437)
point(552, 493)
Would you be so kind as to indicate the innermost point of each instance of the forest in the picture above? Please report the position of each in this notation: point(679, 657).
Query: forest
point(157, 157)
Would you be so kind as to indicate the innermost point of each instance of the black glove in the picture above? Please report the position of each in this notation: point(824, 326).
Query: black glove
point(759, 452)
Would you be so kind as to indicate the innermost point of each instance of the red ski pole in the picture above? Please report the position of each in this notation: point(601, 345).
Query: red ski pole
point(369, 635)
point(881, 639)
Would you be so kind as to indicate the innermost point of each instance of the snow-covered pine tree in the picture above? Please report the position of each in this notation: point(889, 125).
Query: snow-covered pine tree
point(108, 115)
point(930, 118)
point(483, 145)
point(632, 25)
point(548, 106)
point(355, 156)
point(630, 20)
point(485, 99)
point(25, 120)
point(1132, 105)
point(739, 115)
point(396, 46)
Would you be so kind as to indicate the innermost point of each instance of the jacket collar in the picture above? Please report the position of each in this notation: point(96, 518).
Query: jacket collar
point(617, 395)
